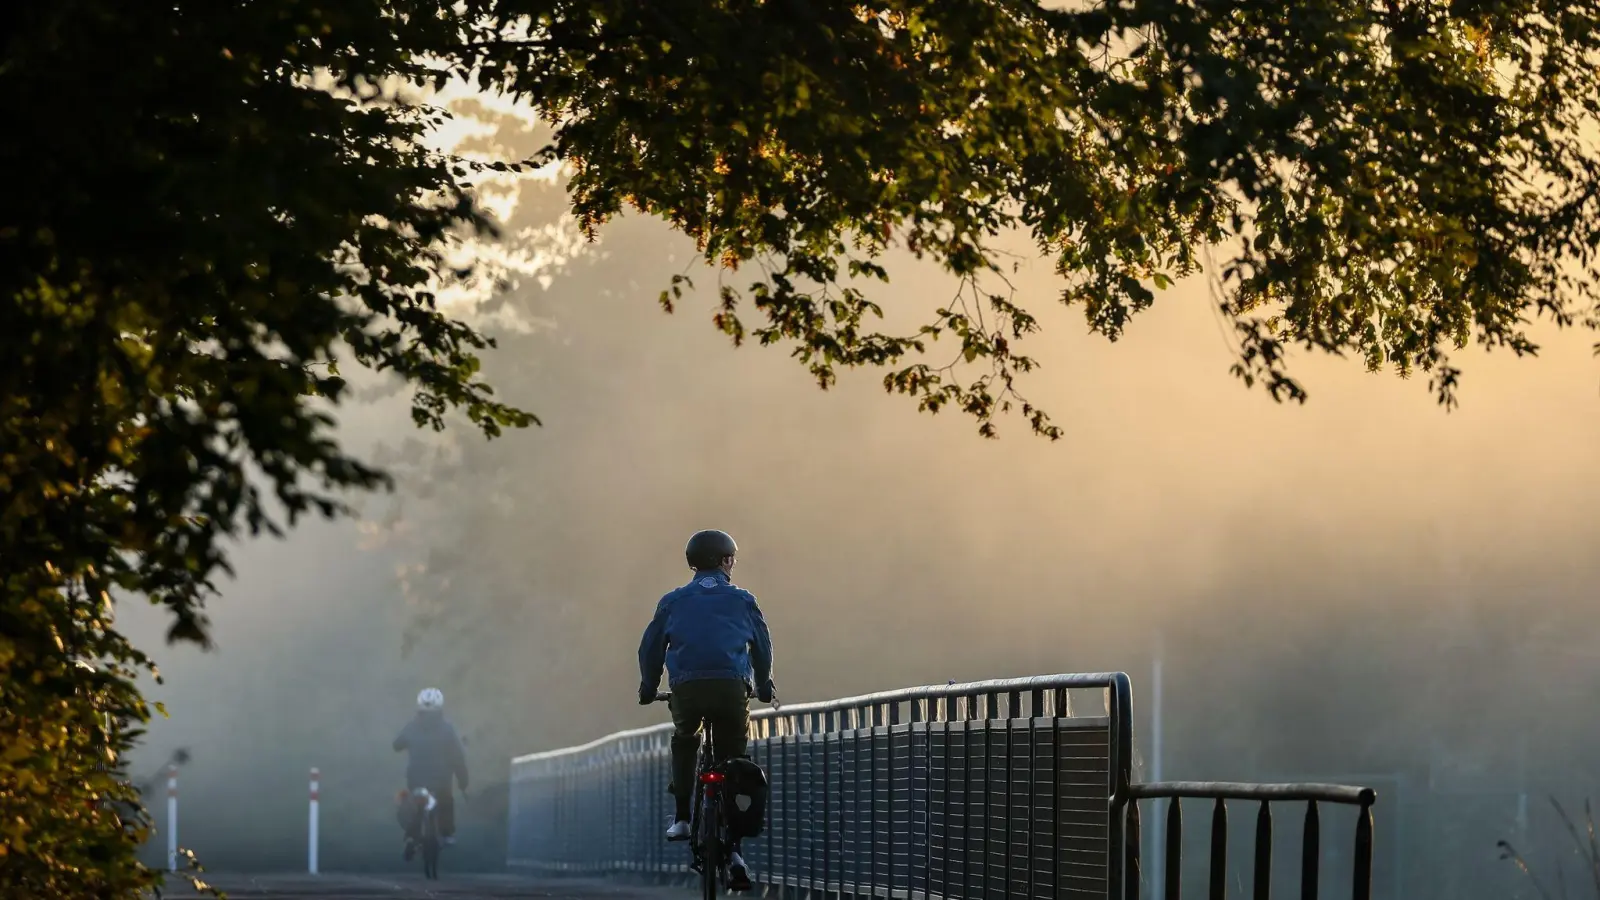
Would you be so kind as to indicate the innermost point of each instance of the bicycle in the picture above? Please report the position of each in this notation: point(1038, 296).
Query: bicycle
point(428, 839)
point(710, 845)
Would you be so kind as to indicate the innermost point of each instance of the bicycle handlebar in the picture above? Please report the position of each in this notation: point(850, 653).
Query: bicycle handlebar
point(665, 696)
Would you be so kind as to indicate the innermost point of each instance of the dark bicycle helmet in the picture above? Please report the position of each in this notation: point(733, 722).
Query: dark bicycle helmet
point(707, 549)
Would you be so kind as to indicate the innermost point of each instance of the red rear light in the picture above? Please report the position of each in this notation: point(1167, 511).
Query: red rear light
point(710, 777)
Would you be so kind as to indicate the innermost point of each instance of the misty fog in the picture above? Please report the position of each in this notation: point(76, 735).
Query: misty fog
point(1363, 586)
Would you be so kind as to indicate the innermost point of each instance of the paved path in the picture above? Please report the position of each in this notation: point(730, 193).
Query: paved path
point(411, 886)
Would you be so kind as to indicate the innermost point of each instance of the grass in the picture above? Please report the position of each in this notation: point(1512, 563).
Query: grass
point(1585, 842)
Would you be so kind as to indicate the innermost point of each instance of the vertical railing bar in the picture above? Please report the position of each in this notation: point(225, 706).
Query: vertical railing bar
point(860, 874)
point(967, 854)
point(1056, 726)
point(784, 828)
point(1131, 878)
point(872, 798)
point(1263, 875)
point(849, 721)
point(614, 848)
point(999, 733)
point(1035, 710)
point(849, 863)
point(604, 848)
point(927, 801)
point(988, 711)
point(617, 802)
point(1173, 868)
point(797, 756)
point(1310, 853)
point(621, 853)
point(1013, 712)
point(587, 840)
point(819, 824)
point(1361, 889)
point(608, 827)
point(808, 760)
point(1116, 820)
point(794, 866)
point(767, 871)
point(664, 767)
point(802, 862)
point(1219, 850)
point(608, 847)
point(889, 766)
point(944, 800)
point(580, 805)
point(774, 830)
point(827, 804)
point(816, 751)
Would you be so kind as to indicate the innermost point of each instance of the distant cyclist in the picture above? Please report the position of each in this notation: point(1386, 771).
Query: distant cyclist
point(436, 757)
point(714, 642)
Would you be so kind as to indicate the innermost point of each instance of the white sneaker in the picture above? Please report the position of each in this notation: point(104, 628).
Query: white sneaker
point(678, 832)
point(738, 873)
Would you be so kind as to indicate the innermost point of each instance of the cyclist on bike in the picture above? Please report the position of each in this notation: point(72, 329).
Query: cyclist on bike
point(713, 640)
point(436, 755)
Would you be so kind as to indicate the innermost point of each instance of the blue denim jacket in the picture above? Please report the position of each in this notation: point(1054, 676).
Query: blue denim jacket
point(706, 629)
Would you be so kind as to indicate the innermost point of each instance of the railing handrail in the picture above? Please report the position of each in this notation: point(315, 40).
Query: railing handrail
point(595, 744)
point(1232, 790)
point(899, 695)
point(945, 691)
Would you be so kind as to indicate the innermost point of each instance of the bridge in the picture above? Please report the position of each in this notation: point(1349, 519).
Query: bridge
point(1018, 789)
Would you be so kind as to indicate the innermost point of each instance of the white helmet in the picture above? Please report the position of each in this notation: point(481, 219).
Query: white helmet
point(431, 699)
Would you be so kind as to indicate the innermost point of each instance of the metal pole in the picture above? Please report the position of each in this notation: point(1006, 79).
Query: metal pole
point(311, 833)
point(1157, 855)
point(172, 818)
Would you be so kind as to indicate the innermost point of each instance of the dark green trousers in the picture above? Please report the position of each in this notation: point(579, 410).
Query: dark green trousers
point(723, 706)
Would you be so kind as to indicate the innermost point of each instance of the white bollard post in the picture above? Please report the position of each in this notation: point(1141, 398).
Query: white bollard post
point(172, 818)
point(311, 844)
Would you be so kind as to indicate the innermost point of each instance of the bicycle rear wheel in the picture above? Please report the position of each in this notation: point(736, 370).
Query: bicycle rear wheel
point(710, 858)
point(430, 849)
point(708, 823)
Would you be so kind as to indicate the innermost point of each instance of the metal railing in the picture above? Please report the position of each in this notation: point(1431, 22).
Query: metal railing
point(1266, 794)
point(991, 789)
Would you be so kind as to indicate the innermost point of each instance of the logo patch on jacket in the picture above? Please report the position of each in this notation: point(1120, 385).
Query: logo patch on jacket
point(708, 582)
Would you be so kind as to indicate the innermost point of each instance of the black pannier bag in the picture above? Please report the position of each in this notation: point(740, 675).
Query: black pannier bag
point(745, 797)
